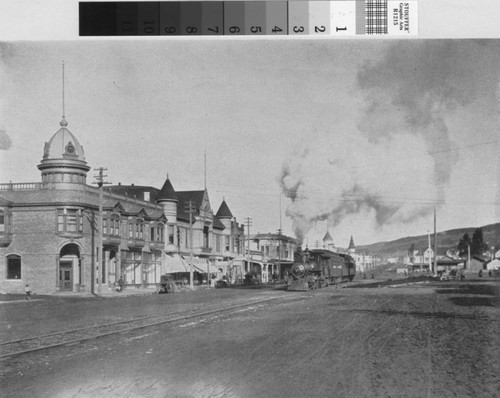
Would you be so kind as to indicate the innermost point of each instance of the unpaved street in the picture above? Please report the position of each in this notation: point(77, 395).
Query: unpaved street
point(423, 340)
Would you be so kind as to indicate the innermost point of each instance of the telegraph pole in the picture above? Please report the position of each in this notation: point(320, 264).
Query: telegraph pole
point(435, 243)
point(249, 223)
point(279, 250)
point(430, 258)
point(99, 271)
point(190, 208)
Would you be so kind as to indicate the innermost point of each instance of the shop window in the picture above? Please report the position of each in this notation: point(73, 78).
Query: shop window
point(13, 266)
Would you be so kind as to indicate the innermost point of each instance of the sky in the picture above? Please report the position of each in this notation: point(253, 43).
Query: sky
point(361, 138)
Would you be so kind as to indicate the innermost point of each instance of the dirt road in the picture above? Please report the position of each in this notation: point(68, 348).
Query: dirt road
point(423, 340)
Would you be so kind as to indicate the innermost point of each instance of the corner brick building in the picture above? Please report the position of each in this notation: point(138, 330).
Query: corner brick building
point(49, 230)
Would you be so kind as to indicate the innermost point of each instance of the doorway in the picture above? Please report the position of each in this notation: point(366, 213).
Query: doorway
point(66, 275)
point(69, 271)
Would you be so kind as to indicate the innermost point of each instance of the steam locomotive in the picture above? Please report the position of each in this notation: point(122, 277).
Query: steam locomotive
point(317, 268)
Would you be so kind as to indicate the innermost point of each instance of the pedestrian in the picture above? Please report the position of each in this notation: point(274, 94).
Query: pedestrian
point(120, 284)
point(480, 273)
point(489, 273)
point(28, 292)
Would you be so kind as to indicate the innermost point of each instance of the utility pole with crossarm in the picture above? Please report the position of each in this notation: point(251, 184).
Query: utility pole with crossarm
point(249, 259)
point(100, 261)
point(190, 208)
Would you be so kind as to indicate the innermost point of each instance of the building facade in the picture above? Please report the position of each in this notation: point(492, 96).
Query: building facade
point(272, 253)
point(364, 262)
point(419, 260)
point(216, 239)
point(50, 231)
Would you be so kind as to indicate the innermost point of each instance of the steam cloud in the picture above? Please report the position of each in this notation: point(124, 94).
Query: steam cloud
point(394, 162)
point(5, 141)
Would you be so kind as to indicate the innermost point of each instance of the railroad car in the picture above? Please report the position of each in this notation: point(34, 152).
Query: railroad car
point(317, 268)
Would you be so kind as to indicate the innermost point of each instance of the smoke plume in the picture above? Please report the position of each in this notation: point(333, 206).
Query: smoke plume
point(5, 141)
point(391, 165)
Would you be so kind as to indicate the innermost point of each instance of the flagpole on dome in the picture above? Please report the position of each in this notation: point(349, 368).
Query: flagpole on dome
point(63, 123)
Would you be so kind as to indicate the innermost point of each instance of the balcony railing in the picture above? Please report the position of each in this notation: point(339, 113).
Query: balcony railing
point(22, 186)
point(33, 186)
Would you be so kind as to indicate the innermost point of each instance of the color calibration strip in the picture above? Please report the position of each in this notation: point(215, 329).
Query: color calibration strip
point(253, 18)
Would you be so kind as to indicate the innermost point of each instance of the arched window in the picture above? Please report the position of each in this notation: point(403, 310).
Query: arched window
point(13, 266)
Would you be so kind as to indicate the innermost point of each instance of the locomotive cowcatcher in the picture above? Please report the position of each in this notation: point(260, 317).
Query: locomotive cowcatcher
point(317, 268)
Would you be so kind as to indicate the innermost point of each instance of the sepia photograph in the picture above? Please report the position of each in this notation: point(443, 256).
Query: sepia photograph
point(242, 217)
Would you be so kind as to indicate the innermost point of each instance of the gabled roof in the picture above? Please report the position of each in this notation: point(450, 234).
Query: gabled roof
point(113, 204)
point(224, 211)
point(143, 213)
point(328, 237)
point(184, 197)
point(167, 192)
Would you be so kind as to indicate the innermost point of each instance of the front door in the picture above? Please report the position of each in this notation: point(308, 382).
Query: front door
point(66, 275)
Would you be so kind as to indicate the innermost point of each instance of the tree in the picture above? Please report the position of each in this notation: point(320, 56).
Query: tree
point(477, 246)
point(411, 250)
point(463, 245)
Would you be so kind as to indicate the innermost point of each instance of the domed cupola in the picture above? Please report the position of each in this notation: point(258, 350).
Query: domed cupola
point(63, 158)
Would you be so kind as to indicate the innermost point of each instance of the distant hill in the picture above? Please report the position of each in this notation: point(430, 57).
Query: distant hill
point(445, 240)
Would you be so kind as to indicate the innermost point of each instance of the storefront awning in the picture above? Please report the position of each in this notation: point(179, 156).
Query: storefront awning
point(201, 265)
point(175, 263)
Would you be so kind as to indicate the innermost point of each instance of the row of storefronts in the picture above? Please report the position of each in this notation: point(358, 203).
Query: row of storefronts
point(51, 232)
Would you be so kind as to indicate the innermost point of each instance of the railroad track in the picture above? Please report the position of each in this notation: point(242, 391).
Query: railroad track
point(28, 345)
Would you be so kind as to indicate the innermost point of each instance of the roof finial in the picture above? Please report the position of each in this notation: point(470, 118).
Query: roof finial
point(63, 122)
